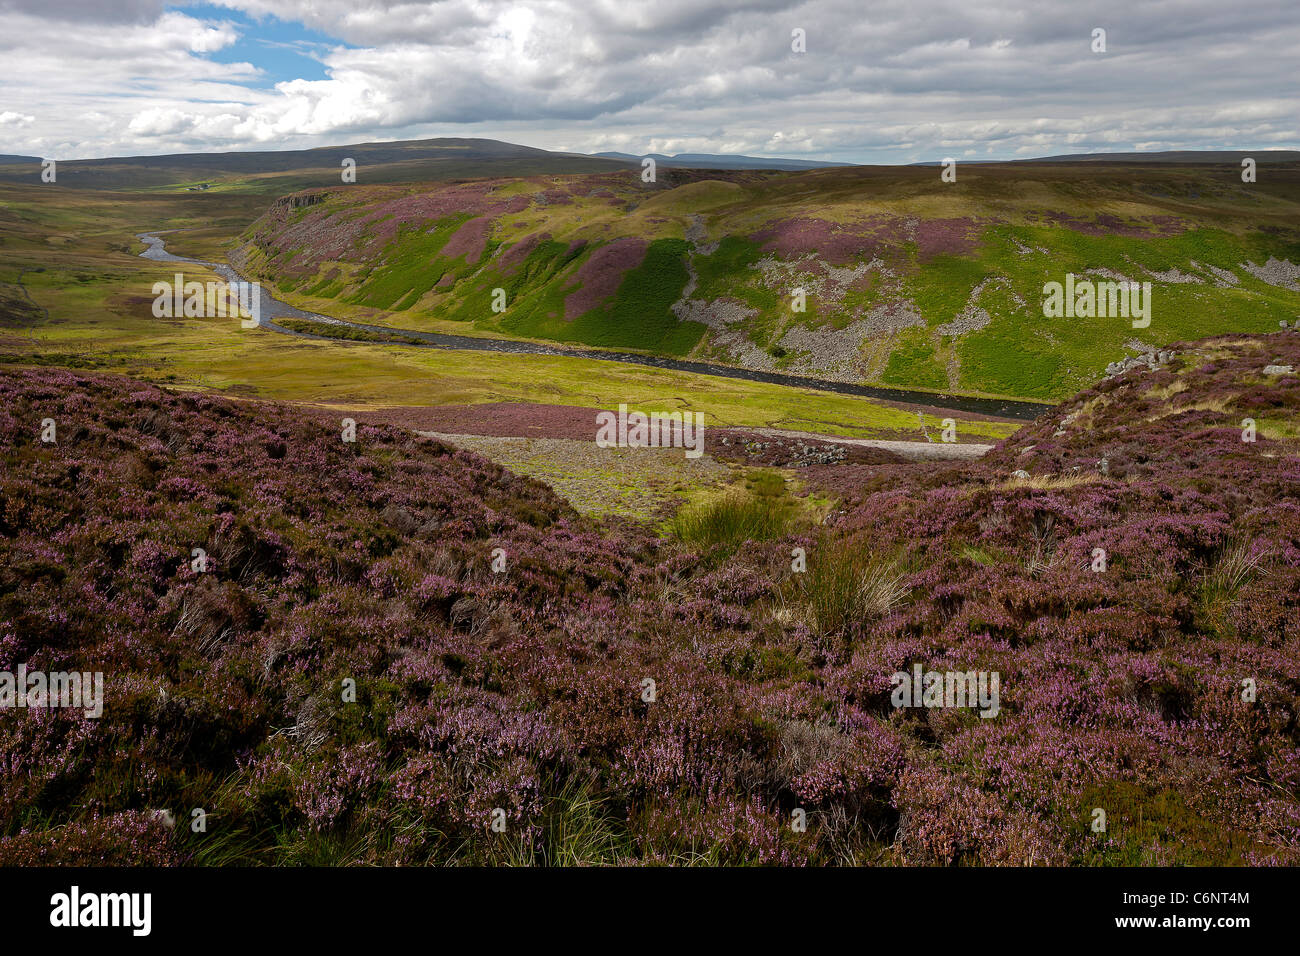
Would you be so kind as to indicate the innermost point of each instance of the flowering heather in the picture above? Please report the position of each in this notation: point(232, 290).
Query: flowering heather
point(362, 221)
point(598, 278)
point(521, 692)
point(829, 241)
point(469, 240)
point(514, 256)
point(863, 240)
point(945, 237)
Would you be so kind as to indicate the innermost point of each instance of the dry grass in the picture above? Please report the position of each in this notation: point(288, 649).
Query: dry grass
point(1045, 556)
point(1044, 482)
point(1229, 349)
point(846, 586)
point(1222, 406)
point(1160, 393)
point(1278, 429)
point(1087, 411)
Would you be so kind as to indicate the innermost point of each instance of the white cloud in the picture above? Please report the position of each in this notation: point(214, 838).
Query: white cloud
point(899, 80)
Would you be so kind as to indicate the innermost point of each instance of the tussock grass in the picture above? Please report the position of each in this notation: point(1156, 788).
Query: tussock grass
point(1045, 556)
point(1236, 566)
point(578, 829)
point(846, 587)
point(733, 519)
point(761, 509)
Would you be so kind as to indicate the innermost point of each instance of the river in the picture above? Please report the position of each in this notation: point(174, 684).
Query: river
point(273, 308)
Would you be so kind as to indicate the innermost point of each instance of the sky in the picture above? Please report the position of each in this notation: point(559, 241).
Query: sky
point(896, 81)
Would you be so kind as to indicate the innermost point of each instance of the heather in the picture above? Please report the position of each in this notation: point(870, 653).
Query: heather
point(522, 691)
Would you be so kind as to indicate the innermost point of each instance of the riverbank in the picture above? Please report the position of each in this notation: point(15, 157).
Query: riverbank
point(273, 308)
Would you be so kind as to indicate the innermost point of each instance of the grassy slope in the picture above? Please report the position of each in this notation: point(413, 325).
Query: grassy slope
point(1210, 218)
point(74, 252)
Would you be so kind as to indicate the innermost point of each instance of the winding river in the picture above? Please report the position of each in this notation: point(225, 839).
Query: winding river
point(273, 308)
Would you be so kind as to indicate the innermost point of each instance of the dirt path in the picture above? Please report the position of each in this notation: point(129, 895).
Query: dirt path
point(914, 450)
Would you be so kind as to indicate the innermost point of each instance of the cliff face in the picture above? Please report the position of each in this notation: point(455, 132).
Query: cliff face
point(1158, 681)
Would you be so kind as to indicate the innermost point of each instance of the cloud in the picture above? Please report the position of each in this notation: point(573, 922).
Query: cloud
point(87, 11)
point(896, 81)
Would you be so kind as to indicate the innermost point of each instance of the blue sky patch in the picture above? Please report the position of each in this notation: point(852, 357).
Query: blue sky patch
point(282, 49)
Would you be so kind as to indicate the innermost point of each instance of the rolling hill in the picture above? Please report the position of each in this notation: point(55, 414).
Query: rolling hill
point(291, 169)
point(402, 161)
point(907, 281)
point(720, 161)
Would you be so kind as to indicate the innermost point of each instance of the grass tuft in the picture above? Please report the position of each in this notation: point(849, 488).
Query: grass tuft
point(847, 587)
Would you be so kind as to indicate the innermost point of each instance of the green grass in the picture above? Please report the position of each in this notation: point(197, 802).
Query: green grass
point(941, 286)
point(1019, 247)
point(95, 285)
point(410, 264)
point(345, 332)
point(98, 296)
point(640, 316)
point(733, 520)
point(1149, 826)
point(912, 364)
point(763, 510)
point(97, 291)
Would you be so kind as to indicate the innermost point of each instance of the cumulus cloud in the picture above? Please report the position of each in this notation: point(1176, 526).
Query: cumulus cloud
point(893, 81)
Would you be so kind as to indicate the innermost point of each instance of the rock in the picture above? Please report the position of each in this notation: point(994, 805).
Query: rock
point(1279, 369)
point(1020, 474)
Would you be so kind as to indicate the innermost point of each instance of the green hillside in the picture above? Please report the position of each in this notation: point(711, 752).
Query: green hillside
point(908, 281)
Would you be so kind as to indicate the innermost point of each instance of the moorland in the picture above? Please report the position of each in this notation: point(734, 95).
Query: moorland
point(497, 590)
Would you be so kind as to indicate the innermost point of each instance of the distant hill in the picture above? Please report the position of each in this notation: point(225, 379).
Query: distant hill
point(1260, 156)
point(430, 160)
point(721, 161)
point(1183, 157)
point(292, 169)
